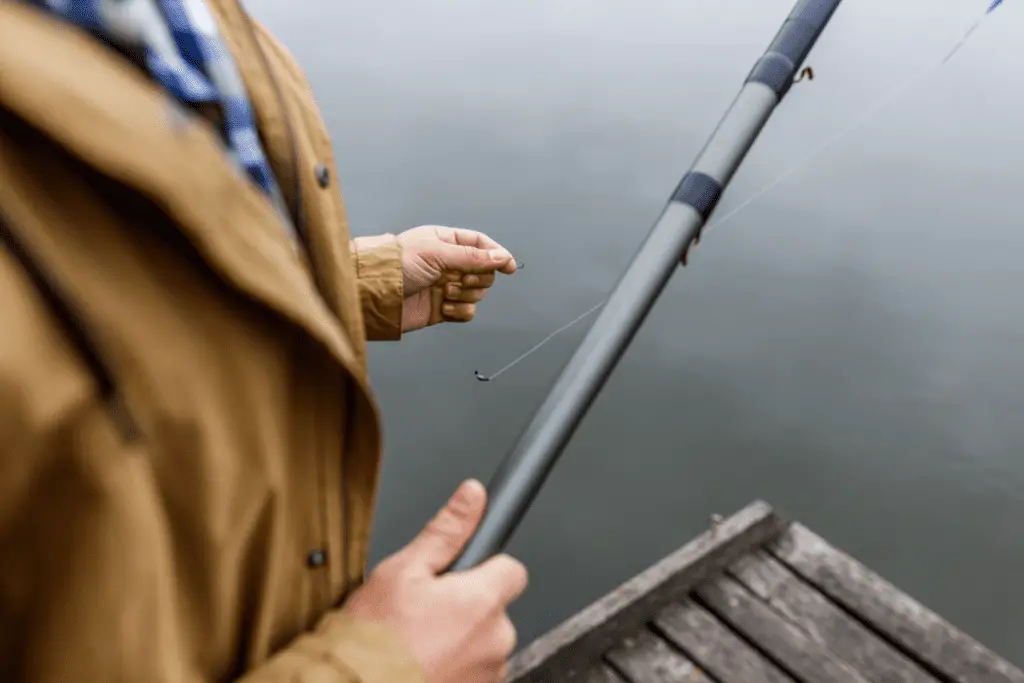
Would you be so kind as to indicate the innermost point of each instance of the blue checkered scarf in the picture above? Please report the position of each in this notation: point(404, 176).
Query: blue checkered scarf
point(180, 46)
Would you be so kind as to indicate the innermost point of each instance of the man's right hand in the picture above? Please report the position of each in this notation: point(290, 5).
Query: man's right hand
point(456, 624)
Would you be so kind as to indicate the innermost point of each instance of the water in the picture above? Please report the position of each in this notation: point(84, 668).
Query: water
point(849, 348)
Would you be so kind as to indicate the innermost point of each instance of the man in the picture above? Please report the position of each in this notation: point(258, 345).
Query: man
point(189, 448)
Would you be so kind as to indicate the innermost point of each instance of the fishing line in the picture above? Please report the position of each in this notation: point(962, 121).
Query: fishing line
point(542, 342)
point(920, 77)
point(971, 30)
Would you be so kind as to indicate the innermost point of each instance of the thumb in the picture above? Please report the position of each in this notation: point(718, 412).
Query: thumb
point(467, 259)
point(444, 537)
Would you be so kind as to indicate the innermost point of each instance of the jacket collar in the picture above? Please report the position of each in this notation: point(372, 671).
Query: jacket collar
point(101, 109)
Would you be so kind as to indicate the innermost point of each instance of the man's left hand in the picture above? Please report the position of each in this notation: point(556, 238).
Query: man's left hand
point(447, 272)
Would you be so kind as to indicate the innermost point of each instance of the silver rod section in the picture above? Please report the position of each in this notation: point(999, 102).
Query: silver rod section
point(523, 472)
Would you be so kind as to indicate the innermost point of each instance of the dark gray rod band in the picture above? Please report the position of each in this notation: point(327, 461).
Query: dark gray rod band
point(700, 191)
point(522, 473)
point(779, 65)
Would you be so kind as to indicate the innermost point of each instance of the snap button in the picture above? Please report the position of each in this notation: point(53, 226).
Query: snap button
point(323, 175)
point(316, 558)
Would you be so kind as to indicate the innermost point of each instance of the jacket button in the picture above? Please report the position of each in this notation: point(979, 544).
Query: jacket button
point(323, 175)
point(316, 558)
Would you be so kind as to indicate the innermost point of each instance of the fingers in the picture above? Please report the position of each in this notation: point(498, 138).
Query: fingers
point(454, 291)
point(471, 238)
point(505, 637)
point(458, 312)
point(501, 673)
point(444, 537)
point(483, 280)
point(501, 640)
point(510, 267)
point(480, 241)
point(472, 260)
point(503, 577)
point(462, 249)
point(459, 301)
point(496, 673)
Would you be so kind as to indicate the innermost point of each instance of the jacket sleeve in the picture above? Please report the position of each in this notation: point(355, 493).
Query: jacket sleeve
point(341, 650)
point(378, 264)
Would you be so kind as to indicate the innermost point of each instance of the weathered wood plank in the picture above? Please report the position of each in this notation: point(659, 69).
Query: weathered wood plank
point(574, 645)
point(824, 622)
point(903, 620)
point(645, 658)
point(804, 659)
point(600, 673)
point(714, 648)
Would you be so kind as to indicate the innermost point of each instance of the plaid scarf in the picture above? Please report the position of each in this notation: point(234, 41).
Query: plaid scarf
point(179, 45)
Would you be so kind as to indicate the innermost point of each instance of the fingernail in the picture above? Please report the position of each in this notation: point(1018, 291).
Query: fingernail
point(466, 496)
point(448, 309)
point(471, 280)
point(461, 502)
point(498, 255)
point(454, 291)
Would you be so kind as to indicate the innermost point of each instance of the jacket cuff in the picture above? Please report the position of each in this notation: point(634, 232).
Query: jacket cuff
point(364, 651)
point(378, 261)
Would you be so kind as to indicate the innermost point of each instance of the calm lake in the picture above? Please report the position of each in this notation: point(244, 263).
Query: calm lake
point(850, 348)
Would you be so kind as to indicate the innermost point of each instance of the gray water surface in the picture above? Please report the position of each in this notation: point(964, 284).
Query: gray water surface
point(850, 348)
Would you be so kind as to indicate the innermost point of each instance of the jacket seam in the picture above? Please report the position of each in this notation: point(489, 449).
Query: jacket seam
point(75, 330)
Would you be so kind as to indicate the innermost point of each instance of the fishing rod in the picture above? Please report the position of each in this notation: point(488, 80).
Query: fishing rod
point(522, 473)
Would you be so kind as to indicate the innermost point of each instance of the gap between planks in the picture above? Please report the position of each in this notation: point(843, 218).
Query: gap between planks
point(824, 622)
point(915, 629)
point(571, 648)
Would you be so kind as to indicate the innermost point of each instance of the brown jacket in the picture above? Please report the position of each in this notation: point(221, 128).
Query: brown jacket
point(189, 447)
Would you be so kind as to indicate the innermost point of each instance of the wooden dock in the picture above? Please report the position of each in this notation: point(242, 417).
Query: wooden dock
point(757, 599)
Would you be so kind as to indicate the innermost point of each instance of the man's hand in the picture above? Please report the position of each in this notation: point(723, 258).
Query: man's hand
point(447, 272)
point(455, 624)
